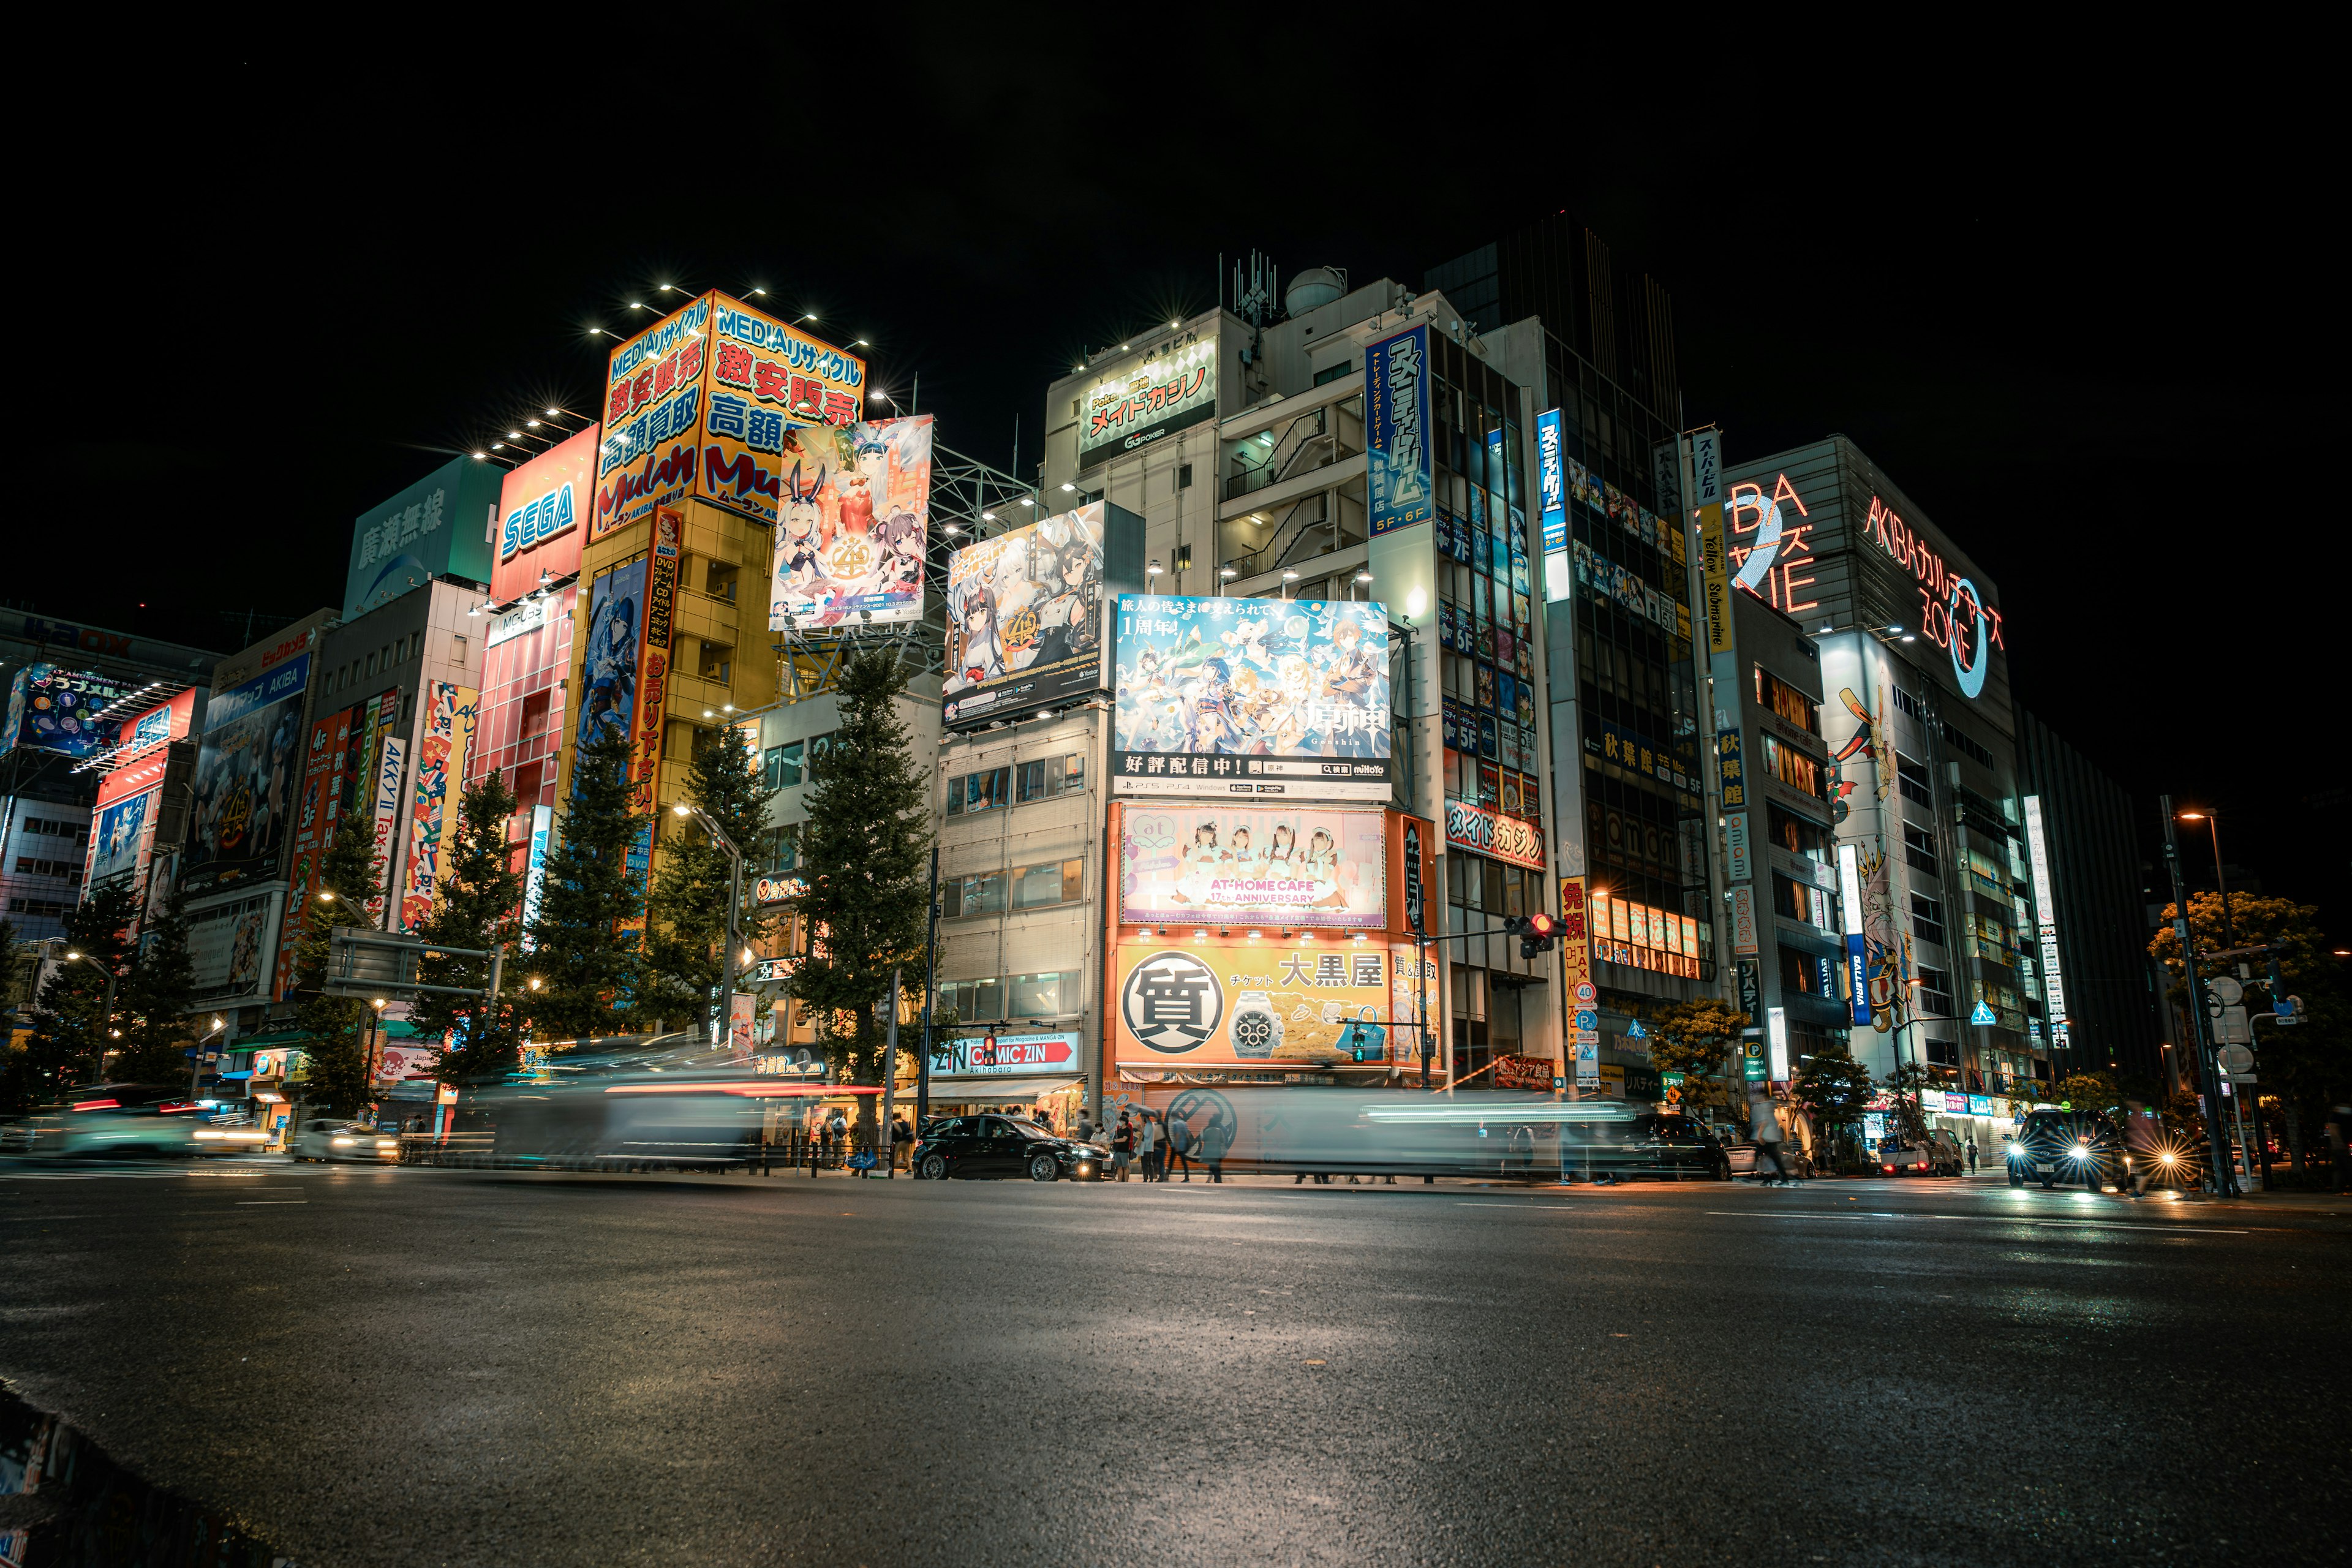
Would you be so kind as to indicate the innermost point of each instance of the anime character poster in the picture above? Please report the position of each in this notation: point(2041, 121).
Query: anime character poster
point(608, 667)
point(1025, 619)
point(855, 522)
point(1251, 697)
point(433, 818)
point(114, 845)
point(248, 774)
point(1296, 866)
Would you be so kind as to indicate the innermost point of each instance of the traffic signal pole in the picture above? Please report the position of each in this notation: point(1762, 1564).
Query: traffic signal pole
point(2216, 1149)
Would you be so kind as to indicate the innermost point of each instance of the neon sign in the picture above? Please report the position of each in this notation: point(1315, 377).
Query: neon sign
point(1941, 589)
point(1769, 563)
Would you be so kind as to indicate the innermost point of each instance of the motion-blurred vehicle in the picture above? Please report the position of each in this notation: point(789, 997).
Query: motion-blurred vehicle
point(1939, 1154)
point(631, 1102)
point(992, 1145)
point(2079, 1148)
point(1642, 1144)
point(120, 1120)
point(346, 1140)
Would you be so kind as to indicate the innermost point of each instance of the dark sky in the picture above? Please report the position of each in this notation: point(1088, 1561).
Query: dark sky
point(2086, 313)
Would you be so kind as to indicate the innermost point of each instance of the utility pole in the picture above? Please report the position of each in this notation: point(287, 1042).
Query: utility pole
point(930, 995)
point(2209, 1084)
point(891, 1078)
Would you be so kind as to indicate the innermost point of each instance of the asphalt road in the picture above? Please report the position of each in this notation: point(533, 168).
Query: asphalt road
point(416, 1366)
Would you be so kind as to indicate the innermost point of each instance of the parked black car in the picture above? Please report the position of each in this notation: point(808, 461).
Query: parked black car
point(2078, 1148)
point(999, 1146)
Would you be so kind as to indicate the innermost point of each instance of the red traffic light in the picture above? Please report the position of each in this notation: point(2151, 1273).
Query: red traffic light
point(1542, 925)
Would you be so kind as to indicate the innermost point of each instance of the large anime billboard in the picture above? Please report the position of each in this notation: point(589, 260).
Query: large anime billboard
point(854, 525)
point(608, 672)
point(51, 709)
point(1025, 619)
point(1251, 697)
point(248, 775)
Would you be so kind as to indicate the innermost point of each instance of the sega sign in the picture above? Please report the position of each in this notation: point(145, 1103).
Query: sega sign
point(540, 518)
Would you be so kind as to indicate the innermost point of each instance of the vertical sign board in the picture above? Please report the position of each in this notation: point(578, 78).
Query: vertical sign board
point(1735, 839)
point(321, 802)
point(391, 766)
point(653, 661)
point(1551, 500)
point(433, 814)
point(1857, 966)
point(534, 875)
point(1402, 485)
point(1776, 1038)
point(1576, 973)
point(2045, 913)
point(1744, 943)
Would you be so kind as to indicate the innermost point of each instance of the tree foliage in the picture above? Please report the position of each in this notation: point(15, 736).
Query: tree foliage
point(156, 997)
point(865, 849)
point(1832, 1087)
point(686, 910)
point(1695, 1039)
point(475, 908)
point(72, 1032)
point(336, 1077)
point(589, 968)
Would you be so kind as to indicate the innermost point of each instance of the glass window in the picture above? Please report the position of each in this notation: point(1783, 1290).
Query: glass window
point(988, 999)
point(783, 765)
point(1050, 996)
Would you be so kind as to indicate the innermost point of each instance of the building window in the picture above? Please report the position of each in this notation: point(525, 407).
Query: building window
point(1052, 995)
point(1023, 888)
point(718, 579)
point(1967, 745)
point(982, 894)
point(1785, 701)
point(783, 766)
point(1795, 834)
point(1184, 476)
point(1334, 372)
point(1913, 779)
point(1790, 766)
point(1909, 704)
point(970, 794)
point(458, 651)
point(1944, 1054)
point(1928, 920)
point(1935, 994)
point(781, 852)
point(1920, 850)
point(26, 868)
point(717, 663)
point(1052, 776)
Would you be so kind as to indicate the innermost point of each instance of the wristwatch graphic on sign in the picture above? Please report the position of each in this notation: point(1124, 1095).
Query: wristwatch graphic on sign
point(1257, 1026)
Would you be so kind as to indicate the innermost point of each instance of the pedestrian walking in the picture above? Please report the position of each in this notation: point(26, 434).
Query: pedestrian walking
point(1217, 1139)
point(902, 1143)
point(1973, 1154)
point(836, 1139)
point(1152, 1144)
point(2144, 1143)
point(1122, 1144)
point(1085, 1127)
point(1765, 1129)
point(1182, 1140)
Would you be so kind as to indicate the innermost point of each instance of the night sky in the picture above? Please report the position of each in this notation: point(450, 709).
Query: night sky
point(2092, 330)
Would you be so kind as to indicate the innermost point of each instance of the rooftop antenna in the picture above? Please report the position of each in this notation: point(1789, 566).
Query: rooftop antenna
point(1254, 302)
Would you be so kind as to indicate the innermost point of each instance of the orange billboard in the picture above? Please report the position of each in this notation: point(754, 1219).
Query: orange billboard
point(697, 404)
point(543, 511)
point(1179, 1004)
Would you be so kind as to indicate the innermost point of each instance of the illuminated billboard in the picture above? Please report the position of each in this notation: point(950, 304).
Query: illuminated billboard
point(700, 403)
point(1146, 397)
point(1026, 616)
point(118, 837)
point(1288, 866)
point(543, 508)
point(448, 730)
point(248, 775)
point(52, 708)
point(1251, 697)
point(608, 674)
point(855, 521)
point(1268, 1004)
point(441, 526)
point(1401, 487)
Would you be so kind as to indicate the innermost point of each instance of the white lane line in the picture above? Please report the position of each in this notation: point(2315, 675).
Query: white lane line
point(1991, 1219)
point(263, 1203)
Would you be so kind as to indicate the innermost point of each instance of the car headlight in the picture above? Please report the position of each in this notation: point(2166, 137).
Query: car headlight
point(2167, 1156)
point(387, 1142)
point(342, 1142)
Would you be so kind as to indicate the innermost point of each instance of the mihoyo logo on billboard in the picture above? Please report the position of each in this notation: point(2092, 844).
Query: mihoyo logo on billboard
point(1171, 1002)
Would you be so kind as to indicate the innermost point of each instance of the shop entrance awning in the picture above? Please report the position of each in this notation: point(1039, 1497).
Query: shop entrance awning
point(998, 1091)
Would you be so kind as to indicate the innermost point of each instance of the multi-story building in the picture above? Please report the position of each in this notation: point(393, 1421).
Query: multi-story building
point(2089, 913)
point(1925, 793)
point(78, 700)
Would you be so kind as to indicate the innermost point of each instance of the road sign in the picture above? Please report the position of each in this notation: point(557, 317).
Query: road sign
point(2235, 1059)
point(2230, 1026)
point(2288, 1010)
point(2222, 990)
point(1983, 1015)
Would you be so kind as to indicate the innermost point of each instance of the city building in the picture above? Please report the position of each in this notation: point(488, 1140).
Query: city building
point(2091, 932)
point(77, 698)
point(1926, 780)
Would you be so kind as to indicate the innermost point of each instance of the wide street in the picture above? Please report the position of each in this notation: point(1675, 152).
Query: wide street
point(411, 1365)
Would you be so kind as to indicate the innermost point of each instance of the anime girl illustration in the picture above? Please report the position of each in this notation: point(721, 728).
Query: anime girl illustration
point(1210, 700)
point(980, 655)
point(798, 574)
point(1072, 587)
point(610, 670)
point(1200, 862)
point(865, 491)
point(1322, 867)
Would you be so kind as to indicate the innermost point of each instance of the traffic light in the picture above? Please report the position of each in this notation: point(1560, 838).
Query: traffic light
point(1536, 932)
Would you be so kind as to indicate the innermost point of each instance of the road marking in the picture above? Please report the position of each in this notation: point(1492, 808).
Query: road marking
point(1987, 1219)
point(260, 1203)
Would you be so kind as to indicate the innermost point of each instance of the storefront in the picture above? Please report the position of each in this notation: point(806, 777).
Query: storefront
point(1018, 1074)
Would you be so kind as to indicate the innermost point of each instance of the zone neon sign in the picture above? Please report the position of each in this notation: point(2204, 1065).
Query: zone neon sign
point(1969, 635)
point(1769, 562)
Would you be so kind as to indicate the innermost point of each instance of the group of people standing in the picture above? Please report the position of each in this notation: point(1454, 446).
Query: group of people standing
point(1163, 1145)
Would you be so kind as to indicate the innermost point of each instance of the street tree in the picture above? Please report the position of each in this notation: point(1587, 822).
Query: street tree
point(866, 852)
point(1835, 1089)
point(1696, 1040)
point(2305, 1068)
point(1903, 1086)
point(585, 951)
point(686, 911)
point(475, 908)
point(351, 872)
point(72, 1030)
point(156, 996)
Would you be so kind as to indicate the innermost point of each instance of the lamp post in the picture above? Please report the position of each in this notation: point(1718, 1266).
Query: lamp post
point(106, 1025)
point(721, 1028)
point(197, 1069)
point(2208, 1080)
point(2221, 881)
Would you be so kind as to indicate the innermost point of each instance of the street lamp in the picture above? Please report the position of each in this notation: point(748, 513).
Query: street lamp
point(719, 1027)
point(2229, 937)
point(197, 1069)
point(107, 1022)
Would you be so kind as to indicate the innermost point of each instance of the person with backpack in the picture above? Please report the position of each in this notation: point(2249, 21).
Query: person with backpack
point(1182, 1140)
point(1216, 1140)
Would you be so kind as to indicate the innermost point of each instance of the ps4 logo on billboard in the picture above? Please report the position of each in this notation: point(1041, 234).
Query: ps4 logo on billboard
point(531, 525)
